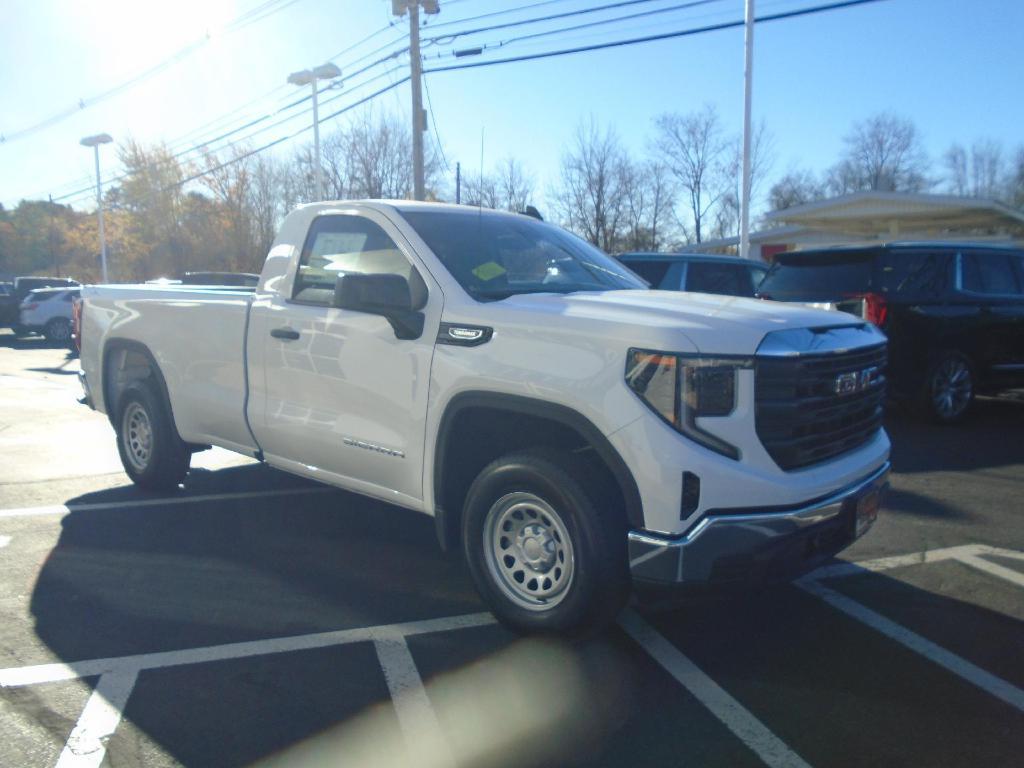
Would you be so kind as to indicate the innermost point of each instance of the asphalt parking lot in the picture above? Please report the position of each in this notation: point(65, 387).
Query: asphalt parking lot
point(255, 617)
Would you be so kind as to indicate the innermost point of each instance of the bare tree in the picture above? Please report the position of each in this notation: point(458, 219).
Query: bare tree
point(795, 188)
point(514, 184)
point(882, 153)
point(978, 173)
point(1015, 180)
point(696, 152)
point(589, 198)
point(762, 157)
point(649, 195)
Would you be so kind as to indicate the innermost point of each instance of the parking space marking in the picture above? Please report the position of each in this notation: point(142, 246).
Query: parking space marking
point(4, 541)
point(994, 569)
point(840, 570)
point(87, 744)
point(964, 669)
point(49, 673)
point(730, 712)
point(424, 738)
point(64, 509)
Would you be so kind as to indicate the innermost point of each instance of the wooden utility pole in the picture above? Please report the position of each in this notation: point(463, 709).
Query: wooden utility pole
point(419, 117)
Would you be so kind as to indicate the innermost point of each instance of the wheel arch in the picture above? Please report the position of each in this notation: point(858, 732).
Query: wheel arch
point(533, 419)
point(126, 362)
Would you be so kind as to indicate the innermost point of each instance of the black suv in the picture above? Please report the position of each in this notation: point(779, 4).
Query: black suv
point(697, 272)
point(954, 313)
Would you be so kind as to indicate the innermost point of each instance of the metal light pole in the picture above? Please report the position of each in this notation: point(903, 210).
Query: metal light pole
point(419, 117)
point(748, 73)
point(326, 71)
point(94, 142)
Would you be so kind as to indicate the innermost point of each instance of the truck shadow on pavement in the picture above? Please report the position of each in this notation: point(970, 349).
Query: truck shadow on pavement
point(988, 437)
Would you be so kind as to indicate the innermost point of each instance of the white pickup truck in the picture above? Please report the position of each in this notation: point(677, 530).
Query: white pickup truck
point(570, 430)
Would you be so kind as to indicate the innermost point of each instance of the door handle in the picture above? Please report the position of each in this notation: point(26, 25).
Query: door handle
point(286, 334)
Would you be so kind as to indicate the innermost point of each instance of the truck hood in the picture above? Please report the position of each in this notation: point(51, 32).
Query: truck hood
point(712, 324)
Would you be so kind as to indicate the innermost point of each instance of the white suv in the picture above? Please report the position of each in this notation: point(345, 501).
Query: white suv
point(48, 311)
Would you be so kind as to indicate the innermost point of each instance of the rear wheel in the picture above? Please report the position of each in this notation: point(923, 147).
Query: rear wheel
point(545, 553)
point(949, 388)
point(151, 452)
point(58, 330)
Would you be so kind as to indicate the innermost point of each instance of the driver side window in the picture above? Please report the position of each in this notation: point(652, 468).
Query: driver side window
point(340, 244)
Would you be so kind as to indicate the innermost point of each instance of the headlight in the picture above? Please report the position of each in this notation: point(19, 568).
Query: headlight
point(680, 388)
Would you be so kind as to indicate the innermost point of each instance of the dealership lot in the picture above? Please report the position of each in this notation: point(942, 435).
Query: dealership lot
point(256, 617)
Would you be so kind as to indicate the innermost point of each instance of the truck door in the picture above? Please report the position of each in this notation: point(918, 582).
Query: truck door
point(992, 281)
point(334, 394)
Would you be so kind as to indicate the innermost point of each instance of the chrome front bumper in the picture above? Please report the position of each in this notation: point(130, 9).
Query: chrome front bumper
point(754, 546)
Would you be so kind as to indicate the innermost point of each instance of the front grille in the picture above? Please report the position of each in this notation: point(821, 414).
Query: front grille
point(802, 420)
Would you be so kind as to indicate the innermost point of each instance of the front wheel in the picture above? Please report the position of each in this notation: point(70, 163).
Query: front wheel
point(152, 454)
point(949, 388)
point(545, 554)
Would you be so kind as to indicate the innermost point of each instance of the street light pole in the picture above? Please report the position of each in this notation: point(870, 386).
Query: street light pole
point(94, 142)
point(748, 74)
point(326, 71)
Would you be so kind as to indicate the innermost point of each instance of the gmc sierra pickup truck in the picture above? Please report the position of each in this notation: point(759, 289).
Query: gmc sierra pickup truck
point(570, 430)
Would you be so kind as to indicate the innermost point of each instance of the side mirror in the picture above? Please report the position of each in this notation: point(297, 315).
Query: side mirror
point(385, 295)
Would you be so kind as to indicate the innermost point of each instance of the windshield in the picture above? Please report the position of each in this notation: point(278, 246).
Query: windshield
point(817, 277)
point(494, 256)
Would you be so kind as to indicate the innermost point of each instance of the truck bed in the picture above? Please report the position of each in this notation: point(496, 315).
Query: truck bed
point(196, 335)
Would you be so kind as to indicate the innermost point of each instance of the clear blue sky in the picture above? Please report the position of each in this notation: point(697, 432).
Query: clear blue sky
point(953, 67)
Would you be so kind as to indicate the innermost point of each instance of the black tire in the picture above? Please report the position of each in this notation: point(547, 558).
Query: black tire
point(949, 388)
point(160, 461)
point(598, 583)
point(58, 330)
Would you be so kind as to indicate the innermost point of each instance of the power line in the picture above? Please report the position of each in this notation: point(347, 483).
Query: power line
point(283, 139)
point(507, 11)
point(260, 12)
point(586, 25)
point(538, 19)
point(85, 191)
point(653, 38)
point(433, 122)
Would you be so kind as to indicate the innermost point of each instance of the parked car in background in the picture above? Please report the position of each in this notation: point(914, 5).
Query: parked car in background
point(697, 272)
point(954, 313)
point(22, 286)
point(48, 311)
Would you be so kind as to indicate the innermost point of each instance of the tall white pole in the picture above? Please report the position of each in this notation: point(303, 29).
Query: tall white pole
point(99, 212)
point(317, 171)
point(748, 73)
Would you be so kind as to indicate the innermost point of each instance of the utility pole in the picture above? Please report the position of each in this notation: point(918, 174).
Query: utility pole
point(419, 117)
point(748, 74)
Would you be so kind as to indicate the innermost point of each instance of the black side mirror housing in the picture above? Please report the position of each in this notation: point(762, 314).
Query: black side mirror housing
point(387, 295)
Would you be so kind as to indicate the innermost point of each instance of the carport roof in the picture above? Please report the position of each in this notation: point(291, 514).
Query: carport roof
point(872, 214)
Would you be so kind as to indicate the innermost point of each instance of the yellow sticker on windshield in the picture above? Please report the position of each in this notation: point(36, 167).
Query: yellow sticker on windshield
point(489, 271)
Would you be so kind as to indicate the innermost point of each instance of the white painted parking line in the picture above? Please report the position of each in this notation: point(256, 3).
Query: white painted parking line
point(1012, 554)
point(423, 736)
point(840, 570)
point(733, 715)
point(87, 744)
point(993, 569)
point(64, 509)
point(988, 682)
point(4, 541)
point(48, 673)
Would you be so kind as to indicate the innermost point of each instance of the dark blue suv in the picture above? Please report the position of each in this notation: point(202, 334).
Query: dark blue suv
point(697, 272)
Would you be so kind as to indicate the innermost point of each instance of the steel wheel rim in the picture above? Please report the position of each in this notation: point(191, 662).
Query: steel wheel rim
point(528, 551)
point(137, 436)
point(951, 387)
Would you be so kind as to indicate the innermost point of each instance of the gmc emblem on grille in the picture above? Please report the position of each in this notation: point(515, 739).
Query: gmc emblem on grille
point(855, 381)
